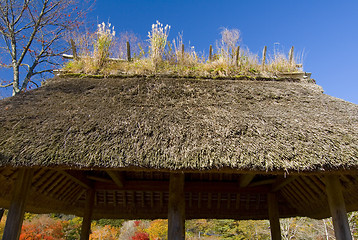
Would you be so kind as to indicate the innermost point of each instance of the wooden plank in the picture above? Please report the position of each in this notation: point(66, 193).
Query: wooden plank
point(282, 182)
point(209, 200)
point(117, 177)
point(219, 201)
point(213, 187)
point(79, 179)
point(161, 200)
point(48, 182)
point(16, 213)
point(237, 205)
point(176, 210)
point(273, 212)
point(307, 188)
point(124, 199)
point(262, 182)
point(228, 200)
point(87, 217)
point(313, 186)
point(54, 185)
point(338, 208)
point(114, 198)
point(245, 179)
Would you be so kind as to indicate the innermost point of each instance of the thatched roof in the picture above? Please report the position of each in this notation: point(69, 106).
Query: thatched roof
point(179, 124)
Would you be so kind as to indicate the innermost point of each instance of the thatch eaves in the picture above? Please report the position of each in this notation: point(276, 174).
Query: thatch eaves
point(179, 124)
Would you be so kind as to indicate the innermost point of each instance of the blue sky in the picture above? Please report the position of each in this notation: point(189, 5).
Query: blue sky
point(325, 31)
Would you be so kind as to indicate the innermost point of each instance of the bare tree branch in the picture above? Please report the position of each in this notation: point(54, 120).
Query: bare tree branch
point(31, 32)
point(5, 86)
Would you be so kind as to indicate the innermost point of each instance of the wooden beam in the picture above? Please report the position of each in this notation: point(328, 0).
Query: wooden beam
point(99, 179)
point(245, 180)
point(17, 206)
point(79, 179)
point(176, 210)
point(87, 217)
point(337, 207)
point(274, 216)
point(282, 182)
point(158, 186)
point(262, 182)
point(117, 177)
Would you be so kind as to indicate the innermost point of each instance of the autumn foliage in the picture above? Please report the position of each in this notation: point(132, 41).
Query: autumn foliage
point(42, 228)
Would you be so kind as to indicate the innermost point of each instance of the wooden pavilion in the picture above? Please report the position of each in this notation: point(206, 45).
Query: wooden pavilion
point(156, 147)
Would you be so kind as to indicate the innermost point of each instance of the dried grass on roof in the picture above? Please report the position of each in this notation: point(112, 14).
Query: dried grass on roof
point(179, 124)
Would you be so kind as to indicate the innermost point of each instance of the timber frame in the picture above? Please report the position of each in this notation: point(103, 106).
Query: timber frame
point(147, 194)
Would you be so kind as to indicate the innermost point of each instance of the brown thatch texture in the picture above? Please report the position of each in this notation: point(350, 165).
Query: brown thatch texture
point(179, 124)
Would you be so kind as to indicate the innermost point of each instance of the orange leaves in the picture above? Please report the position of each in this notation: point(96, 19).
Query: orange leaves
point(42, 228)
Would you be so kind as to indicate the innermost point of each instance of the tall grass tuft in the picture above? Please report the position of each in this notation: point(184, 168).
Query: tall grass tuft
point(228, 44)
point(102, 44)
point(169, 57)
point(158, 40)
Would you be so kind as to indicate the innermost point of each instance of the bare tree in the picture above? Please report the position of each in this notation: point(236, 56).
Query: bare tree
point(32, 32)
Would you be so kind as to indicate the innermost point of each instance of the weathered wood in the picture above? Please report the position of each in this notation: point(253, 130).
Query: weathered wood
point(100, 179)
point(210, 53)
point(117, 177)
point(176, 210)
point(262, 182)
point(77, 177)
point(264, 56)
point(237, 205)
point(237, 59)
point(182, 52)
point(129, 52)
point(245, 179)
point(337, 207)
point(74, 50)
point(274, 216)
point(87, 217)
point(213, 187)
point(282, 182)
point(17, 206)
point(290, 55)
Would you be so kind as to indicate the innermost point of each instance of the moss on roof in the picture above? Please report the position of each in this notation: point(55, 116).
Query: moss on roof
point(179, 124)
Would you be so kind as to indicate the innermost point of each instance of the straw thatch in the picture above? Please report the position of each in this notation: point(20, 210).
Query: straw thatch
point(179, 124)
point(235, 140)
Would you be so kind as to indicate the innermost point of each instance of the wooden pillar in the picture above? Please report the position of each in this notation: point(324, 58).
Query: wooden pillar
point(176, 211)
point(290, 55)
point(237, 60)
point(129, 52)
point(210, 53)
point(264, 56)
point(74, 50)
point(274, 216)
point(337, 207)
point(182, 52)
point(17, 206)
point(87, 217)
